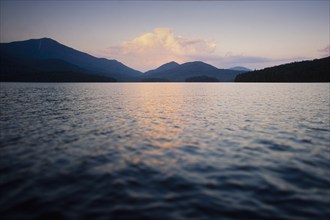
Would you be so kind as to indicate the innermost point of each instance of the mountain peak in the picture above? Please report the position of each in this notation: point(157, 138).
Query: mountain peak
point(169, 65)
point(199, 64)
point(44, 40)
point(172, 63)
point(164, 67)
point(240, 68)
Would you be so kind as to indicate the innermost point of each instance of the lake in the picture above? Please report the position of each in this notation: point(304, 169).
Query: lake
point(164, 151)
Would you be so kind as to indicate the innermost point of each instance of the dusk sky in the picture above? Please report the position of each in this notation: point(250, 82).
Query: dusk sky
point(146, 34)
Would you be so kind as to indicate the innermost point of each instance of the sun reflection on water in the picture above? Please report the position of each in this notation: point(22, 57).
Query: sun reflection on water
point(159, 117)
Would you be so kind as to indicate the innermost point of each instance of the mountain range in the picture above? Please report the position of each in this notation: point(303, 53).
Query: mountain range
point(174, 72)
point(47, 60)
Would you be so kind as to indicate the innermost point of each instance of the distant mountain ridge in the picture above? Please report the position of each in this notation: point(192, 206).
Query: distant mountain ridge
point(240, 68)
point(40, 50)
point(316, 70)
point(173, 72)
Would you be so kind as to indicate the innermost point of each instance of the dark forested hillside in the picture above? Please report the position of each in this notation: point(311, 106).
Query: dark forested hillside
point(306, 71)
point(55, 76)
point(48, 70)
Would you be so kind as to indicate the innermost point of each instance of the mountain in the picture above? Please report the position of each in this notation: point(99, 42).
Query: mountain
point(240, 68)
point(174, 72)
point(164, 67)
point(305, 71)
point(40, 55)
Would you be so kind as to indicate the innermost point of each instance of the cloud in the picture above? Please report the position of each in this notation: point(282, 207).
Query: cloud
point(325, 52)
point(152, 49)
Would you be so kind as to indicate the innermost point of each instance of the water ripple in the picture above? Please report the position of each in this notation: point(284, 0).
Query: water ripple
point(164, 151)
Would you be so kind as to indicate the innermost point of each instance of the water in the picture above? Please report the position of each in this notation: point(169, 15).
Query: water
point(164, 151)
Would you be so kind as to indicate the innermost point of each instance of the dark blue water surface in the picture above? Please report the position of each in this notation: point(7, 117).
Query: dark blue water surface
point(164, 151)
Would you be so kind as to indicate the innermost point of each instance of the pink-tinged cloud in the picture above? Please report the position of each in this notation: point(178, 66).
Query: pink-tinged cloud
point(152, 49)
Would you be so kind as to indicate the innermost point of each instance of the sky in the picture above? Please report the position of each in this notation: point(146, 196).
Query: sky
point(146, 34)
